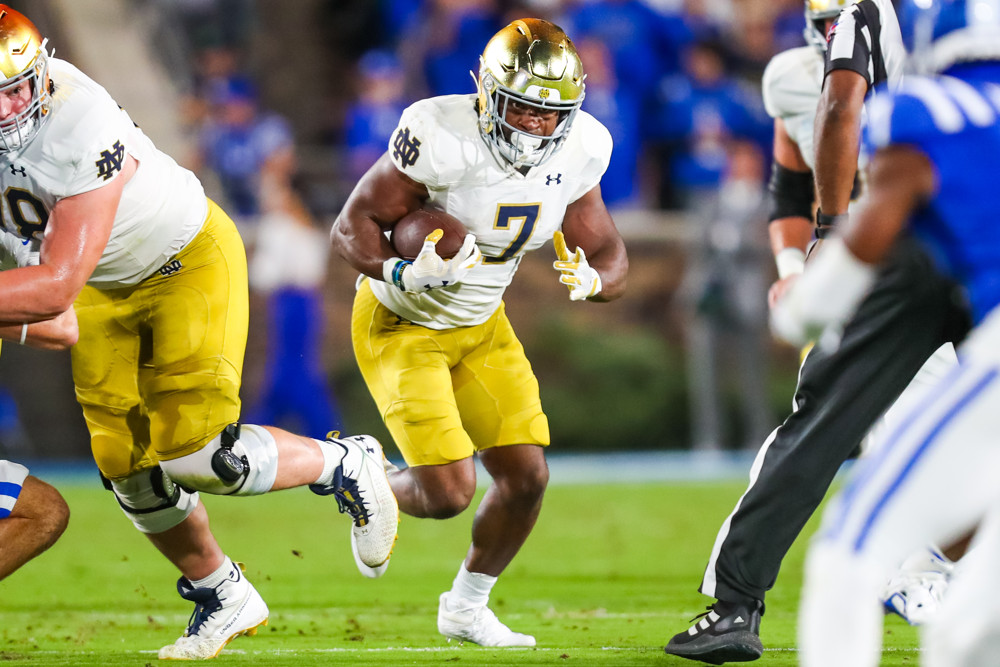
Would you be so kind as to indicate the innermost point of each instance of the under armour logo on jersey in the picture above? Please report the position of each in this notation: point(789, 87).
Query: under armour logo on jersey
point(18, 170)
point(550, 179)
point(171, 268)
point(111, 161)
point(405, 149)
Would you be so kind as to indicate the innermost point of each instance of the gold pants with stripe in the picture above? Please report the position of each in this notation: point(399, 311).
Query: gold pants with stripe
point(445, 394)
point(158, 365)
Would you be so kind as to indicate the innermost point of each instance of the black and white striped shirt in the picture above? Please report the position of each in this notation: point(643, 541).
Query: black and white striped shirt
point(866, 39)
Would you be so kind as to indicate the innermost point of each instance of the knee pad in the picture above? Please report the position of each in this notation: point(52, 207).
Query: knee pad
point(152, 501)
point(240, 461)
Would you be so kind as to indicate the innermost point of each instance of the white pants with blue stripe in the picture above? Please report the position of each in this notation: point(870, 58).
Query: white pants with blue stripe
point(931, 480)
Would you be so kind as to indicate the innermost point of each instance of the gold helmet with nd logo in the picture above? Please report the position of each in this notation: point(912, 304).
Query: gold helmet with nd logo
point(23, 60)
point(534, 64)
point(817, 12)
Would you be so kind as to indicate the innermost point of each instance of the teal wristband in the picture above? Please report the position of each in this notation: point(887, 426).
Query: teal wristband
point(397, 273)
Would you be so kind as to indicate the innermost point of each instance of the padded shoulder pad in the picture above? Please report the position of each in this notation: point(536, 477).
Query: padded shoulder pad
point(792, 82)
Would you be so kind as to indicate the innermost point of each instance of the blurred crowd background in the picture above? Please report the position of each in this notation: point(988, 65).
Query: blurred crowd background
point(280, 105)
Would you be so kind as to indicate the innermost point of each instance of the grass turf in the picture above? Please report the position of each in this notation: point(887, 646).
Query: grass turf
point(609, 574)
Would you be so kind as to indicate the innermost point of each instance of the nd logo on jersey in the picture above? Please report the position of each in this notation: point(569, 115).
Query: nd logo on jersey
point(405, 149)
point(111, 161)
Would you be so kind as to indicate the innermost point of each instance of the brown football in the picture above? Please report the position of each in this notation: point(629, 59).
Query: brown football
point(408, 235)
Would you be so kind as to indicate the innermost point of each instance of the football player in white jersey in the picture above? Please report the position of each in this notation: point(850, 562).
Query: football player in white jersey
point(518, 163)
point(157, 276)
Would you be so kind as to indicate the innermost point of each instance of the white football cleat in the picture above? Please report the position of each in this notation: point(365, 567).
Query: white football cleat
point(478, 625)
point(361, 487)
point(915, 591)
point(221, 614)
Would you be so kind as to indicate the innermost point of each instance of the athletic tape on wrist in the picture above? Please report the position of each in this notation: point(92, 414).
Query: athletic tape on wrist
point(790, 262)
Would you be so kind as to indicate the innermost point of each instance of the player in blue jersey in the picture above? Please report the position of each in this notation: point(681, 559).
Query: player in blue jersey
point(935, 146)
point(32, 516)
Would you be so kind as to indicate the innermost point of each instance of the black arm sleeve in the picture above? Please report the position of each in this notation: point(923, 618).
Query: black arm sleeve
point(791, 193)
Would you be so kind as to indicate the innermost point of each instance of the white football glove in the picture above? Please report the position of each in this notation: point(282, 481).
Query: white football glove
point(429, 270)
point(574, 271)
point(823, 298)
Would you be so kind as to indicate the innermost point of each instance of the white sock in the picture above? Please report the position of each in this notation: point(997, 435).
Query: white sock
point(472, 588)
point(228, 571)
point(333, 454)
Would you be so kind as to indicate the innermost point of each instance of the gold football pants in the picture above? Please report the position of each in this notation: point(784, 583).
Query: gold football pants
point(445, 394)
point(158, 365)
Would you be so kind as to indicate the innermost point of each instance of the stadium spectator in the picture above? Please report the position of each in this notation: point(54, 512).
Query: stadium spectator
point(156, 274)
point(288, 267)
point(646, 45)
point(431, 336)
point(251, 152)
point(372, 113)
point(619, 108)
point(700, 114)
point(456, 32)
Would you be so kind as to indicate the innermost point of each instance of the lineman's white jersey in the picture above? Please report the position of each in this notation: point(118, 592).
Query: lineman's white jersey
point(81, 147)
point(791, 89)
point(438, 144)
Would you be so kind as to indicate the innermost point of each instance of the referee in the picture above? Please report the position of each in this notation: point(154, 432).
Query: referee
point(909, 314)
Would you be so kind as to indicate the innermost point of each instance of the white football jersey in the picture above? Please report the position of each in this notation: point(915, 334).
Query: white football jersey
point(791, 89)
point(81, 147)
point(438, 144)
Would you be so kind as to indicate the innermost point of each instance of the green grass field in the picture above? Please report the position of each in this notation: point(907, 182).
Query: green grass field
point(608, 575)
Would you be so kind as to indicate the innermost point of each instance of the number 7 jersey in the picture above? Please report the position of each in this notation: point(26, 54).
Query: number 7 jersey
point(438, 144)
point(83, 146)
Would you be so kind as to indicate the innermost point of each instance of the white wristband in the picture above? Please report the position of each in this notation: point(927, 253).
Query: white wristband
point(24, 334)
point(790, 261)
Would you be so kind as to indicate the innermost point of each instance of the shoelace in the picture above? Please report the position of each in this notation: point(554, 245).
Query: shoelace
point(349, 500)
point(345, 490)
point(207, 602)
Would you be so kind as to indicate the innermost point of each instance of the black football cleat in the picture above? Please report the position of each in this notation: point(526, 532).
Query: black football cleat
point(726, 632)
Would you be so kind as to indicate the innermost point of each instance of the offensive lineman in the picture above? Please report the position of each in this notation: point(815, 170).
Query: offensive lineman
point(517, 163)
point(158, 276)
point(841, 393)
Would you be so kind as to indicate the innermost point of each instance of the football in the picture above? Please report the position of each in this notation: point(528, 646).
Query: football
point(408, 235)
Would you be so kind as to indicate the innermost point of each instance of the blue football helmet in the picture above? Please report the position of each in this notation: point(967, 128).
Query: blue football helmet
point(942, 33)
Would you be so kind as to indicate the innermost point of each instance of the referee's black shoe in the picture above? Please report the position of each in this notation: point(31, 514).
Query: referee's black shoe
point(725, 632)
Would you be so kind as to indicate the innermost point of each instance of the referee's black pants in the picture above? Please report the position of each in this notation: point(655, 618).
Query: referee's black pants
point(911, 311)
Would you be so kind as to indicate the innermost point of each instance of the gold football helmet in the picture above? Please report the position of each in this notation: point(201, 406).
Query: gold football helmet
point(532, 62)
point(23, 59)
point(817, 11)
